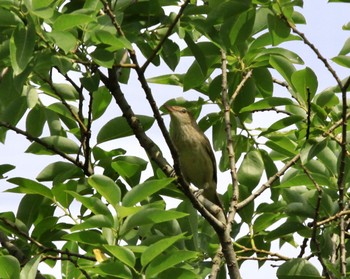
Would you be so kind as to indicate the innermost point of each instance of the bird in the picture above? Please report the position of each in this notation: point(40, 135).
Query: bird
point(196, 157)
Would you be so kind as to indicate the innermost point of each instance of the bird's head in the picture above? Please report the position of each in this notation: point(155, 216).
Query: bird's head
point(180, 115)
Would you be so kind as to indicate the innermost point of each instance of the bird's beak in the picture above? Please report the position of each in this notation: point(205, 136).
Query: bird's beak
point(169, 108)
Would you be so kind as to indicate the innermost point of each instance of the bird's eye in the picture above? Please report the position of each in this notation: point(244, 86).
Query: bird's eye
point(183, 110)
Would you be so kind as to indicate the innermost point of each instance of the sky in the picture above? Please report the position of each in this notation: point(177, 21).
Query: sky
point(323, 29)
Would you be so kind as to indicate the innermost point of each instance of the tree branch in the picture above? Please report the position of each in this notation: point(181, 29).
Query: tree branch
point(268, 184)
point(52, 148)
point(230, 256)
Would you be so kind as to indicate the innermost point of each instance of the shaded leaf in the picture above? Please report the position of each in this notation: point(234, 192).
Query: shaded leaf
point(251, 169)
point(119, 128)
point(109, 268)
point(63, 144)
point(149, 216)
point(29, 187)
point(9, 267)
point(167, 261)
point(145, 190)
point(158, 248)
point(30, 270)
point(106, 187)
point(305, 82)
point(124, 254)
point(267, 103)
point(21, 47)
point(69, 21)
point(298, 268)
point(91, 237)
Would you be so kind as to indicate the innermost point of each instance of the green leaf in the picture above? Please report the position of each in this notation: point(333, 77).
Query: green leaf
point(69, 21)
point(346, 48)
point(106, 187)
point(41, 8)
point(149, 216)
point(194, 77)
point(119, 128)
point(286, 228)
point(158, 248)
point(35, 121)
point(101, 100)
point(305, 82)
point(299, 269)
point(31, 207)
point(67, 267)
point(4, 168)
point(92, 203)
point(63, 144)
point(29, 187)
point(171, 54)
point(112, 40)
point(236, 30)
point(327, 99)
point(91, 237)
point(303, 180)
point(9, 267)
point(14, 111)
point(8, 18)
point(103, 57)
point(64, 40)
point(123, 254)
point(278, 30)
point(342, 60)
point(59, 170)
point(30, 270)
point(264, 221)
point(61, 90)
point(168, 261)
point(267, 103)
point(251, 169)
point(282, 145)
point(130, 168)
point(282, 124)
point(171, 79)
point(22, 44)
point(197, 53)
point(283, 66)
point(263, 82)
point(32, 96)
point(109, 269)
point(96, 221)
point(145, 190)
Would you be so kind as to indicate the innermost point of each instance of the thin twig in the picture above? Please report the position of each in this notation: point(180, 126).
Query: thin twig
point(314, 223)
point(40, 245)
point(240, 86)
point(308, 113)
point(268, 184)
point(314, 49)
point(52, 148)
point(166, 35)
point(341, 176)
point(334, 217)
point(260, 251)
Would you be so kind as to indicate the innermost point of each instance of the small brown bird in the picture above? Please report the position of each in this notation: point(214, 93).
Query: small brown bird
point(197, 160)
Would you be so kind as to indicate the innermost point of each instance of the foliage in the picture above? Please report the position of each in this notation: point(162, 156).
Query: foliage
point(122, 228)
